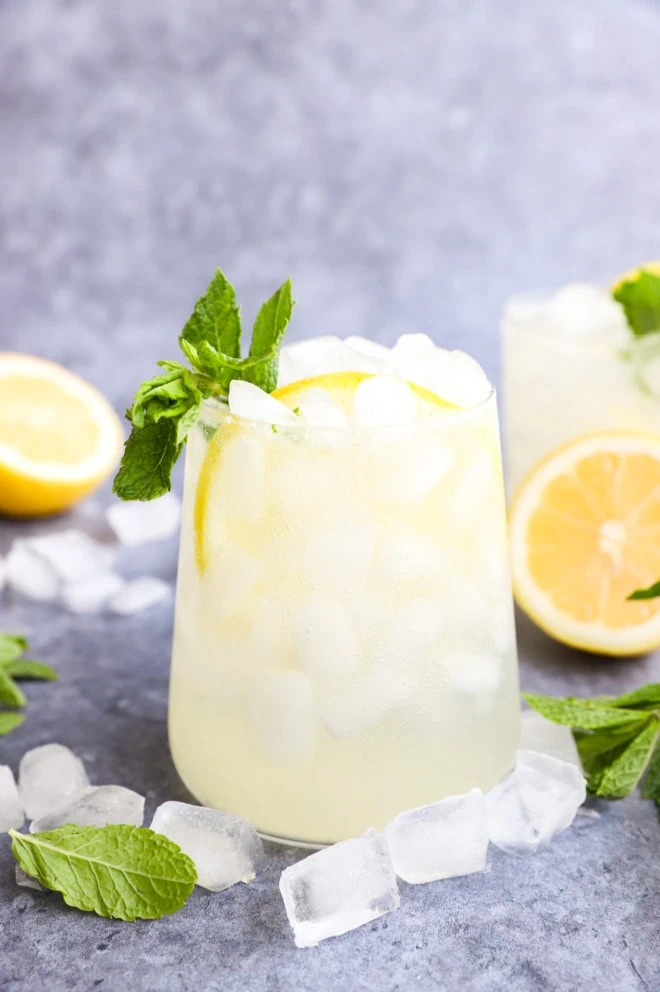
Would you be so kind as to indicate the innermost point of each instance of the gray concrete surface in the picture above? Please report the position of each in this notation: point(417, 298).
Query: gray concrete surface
point(410, 165)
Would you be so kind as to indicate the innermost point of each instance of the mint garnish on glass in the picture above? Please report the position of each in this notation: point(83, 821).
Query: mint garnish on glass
point(166, 407)
point(639, 295)
point(617, 737)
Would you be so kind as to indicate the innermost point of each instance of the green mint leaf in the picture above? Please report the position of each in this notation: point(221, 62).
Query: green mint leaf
point(28, 669)
point(10, 693)
point(623, 774)
point(146, 466)
point(12, 646)
point(651, 592)
point(579, 713)
point(640, 299)
point(269, 328)
point(651, 789)
point(170, 395)
point(215, 320)
point(592, 743)
point(646, 697)
point(9, 722)
point(118, 871)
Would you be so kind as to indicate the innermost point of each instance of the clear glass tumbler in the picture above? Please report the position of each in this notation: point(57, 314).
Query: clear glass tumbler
point(344, 644)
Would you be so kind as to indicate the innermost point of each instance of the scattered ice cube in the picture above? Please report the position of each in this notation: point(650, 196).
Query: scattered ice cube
point(283, 717)
point(139, 594)
point(536, 802)
point(225, 848)
point(442, 840)
point(384, 401)
point(338, 554)
point(318, 409)
point(364, 703)
point(29, 574)
point(251, 403)
point(72, 554)
point(48, 775)
point(91, 594)
point(339, 888)
point(323, 637)
point(238, 489)
point(26, 881)
point(545, 737)
point(96, 806)
point(228, 580)
point(11, 809)
point(137, 523)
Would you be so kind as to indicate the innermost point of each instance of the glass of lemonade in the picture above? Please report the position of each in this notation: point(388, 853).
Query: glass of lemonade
point(344, 643)
point(571, 365)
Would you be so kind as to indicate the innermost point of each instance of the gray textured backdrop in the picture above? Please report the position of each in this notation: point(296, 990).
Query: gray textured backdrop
point(409, 164)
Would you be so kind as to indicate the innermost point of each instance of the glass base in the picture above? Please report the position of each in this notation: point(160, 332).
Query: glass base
point(291, 842)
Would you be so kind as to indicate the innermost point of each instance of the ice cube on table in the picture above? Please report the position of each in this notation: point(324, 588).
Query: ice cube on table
point(441, 840)
point(226, 849)
point(337, 555)
point(536, 802)
point(251, 403)
point(339, 888)
point(384, 401)
point(546, 737)
point(30, 575)
point(91, 594)
point(26, 881)
point(11, 808)
point(72, 554)
point(96, 806)
point(137, 523)
point(138, 595)
point(323, 637)
point(47, 776)
point(283, 717)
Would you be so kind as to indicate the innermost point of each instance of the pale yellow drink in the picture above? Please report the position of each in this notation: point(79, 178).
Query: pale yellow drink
point(344, 645)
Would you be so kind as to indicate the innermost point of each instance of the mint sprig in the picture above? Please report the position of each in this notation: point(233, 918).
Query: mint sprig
point(13, 666)
point(617, 737)
point(640, 299)
point(166, 407)
point(120, 872)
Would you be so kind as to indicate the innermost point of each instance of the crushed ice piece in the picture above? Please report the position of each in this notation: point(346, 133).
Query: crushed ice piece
point(339, 888)
point(139, 594)
point(91, 594)
point(137, 523)
point(226, 849)
point(409, 637)
point(96, 806)
point(453, 375)
point(27, 882)
point(384, 401)
point(421, 465)
point(238, 488)
point(72, 554)
point(48, 775)
point(11, 809)
point(441, 840)
point(364, 703)
point(327, 354)
point(463, 381)
point(371, 349)
point(473, 672)
point(323, 637)
point(546, 737)
point(535, 803)
point(229, 579)
point(583, 309)
point(29, 574)
point(318, 409)
point(337, 555)
point(283, 717)
point(251, 403)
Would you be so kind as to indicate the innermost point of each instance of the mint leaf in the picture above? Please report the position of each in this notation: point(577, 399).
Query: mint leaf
point(269, 327)
point(623, 774)
point(9, 722)
point(12, 646)
point(579, 713)
point(10, 694)
point(150, 454)
point(640, 299)
point(118, 871)
point(651, 789)
point(651, 592)
point(170, 395)
point(28, 669)
point(215, 320)
point(646, 697)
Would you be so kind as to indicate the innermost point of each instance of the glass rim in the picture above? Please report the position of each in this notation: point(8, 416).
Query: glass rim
point(218, 408)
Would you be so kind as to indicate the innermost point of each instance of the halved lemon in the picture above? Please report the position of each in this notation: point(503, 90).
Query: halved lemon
point(585, 533)
point(59, 437)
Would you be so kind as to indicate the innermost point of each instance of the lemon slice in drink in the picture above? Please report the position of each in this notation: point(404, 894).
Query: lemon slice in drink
point(585, 533)
point(342, 387)
point(59, 437)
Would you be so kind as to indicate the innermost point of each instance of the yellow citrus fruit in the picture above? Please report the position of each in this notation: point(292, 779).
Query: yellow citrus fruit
point(632, 274)
point(59, 437)
point(585, 533)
